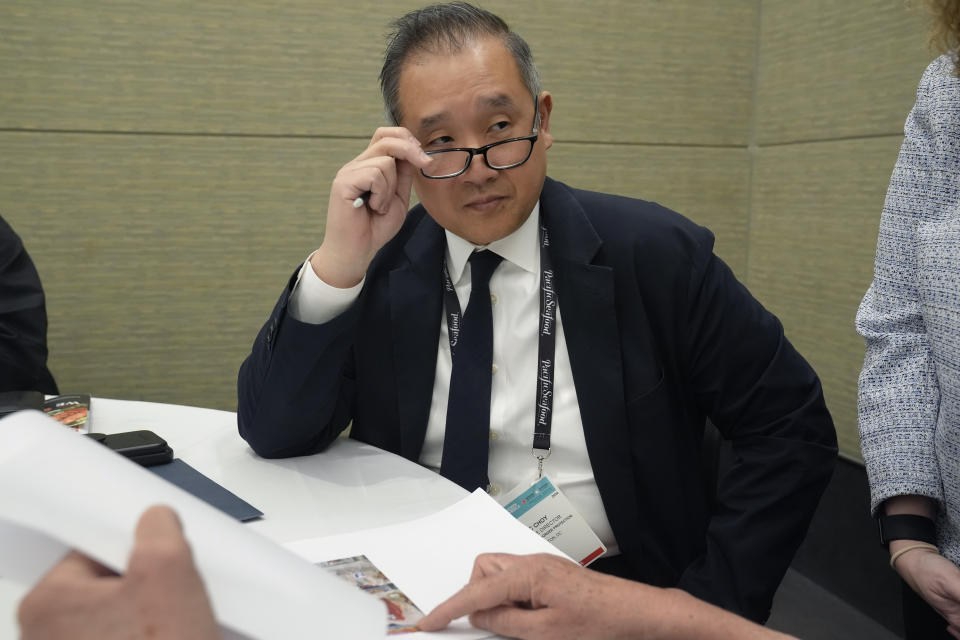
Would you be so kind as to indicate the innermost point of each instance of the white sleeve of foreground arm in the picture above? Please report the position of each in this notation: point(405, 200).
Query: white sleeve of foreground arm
point(314, 301)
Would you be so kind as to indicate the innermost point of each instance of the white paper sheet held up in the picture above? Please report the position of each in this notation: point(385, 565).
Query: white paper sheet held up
point(60, 489)
point(431, 558)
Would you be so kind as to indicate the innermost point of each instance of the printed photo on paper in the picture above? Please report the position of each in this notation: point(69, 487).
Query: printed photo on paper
point(402, 615)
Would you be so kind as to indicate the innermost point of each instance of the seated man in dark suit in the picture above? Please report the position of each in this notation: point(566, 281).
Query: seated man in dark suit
point(600, 332)
point(23, 320)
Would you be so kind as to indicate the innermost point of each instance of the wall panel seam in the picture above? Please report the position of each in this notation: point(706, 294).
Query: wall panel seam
point(752, 137)
point(323, 136)
point(869, 136)
point(185, 134)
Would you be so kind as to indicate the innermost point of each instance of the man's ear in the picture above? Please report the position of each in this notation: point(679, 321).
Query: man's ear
point(545, 105)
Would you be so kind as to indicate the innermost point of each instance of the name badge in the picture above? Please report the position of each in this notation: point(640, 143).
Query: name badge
point(546, 511)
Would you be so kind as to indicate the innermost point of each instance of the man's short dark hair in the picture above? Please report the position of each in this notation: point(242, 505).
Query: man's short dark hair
point(445, 28)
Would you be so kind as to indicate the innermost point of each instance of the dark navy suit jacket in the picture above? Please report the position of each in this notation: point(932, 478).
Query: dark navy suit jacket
point(23, 320)
point(661, 336)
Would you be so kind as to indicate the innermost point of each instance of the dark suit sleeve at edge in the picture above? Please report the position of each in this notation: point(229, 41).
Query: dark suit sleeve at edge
point(767, 400)
point(23, 320)
point(296, 388)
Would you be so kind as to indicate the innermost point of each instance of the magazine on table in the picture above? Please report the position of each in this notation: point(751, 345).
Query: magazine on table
point(70, 410)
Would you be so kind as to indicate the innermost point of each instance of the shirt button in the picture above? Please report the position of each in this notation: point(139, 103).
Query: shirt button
point(493, 369)
point(493, 490)
point(493, 298)
point(494, 435)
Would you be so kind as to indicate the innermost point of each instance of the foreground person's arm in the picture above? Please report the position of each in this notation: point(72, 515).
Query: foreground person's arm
point(543, 596)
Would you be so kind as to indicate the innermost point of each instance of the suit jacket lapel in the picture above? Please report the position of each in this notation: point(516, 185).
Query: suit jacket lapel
point(415, 313)
point(587, 310)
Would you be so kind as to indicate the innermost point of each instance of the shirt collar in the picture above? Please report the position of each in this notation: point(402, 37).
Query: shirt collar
point(520, 247)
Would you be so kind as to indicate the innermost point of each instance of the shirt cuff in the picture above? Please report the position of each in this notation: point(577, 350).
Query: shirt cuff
point(313, 301)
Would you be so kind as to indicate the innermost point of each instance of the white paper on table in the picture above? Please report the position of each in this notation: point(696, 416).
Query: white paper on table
point(431, 558)
point(57, 486)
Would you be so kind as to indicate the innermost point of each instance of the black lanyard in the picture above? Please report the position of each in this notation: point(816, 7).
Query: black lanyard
point(543, 418)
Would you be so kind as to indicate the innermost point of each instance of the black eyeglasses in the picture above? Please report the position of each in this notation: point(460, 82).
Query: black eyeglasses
point(505, 154)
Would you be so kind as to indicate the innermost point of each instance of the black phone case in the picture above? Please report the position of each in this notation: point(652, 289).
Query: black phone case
point(155, 458)
point(143, 447)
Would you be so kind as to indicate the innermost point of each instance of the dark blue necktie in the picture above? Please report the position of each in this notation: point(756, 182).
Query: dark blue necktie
point(466, 443)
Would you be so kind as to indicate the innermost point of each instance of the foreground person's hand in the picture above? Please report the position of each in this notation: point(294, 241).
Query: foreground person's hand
point(160, 596)
point(543, 597)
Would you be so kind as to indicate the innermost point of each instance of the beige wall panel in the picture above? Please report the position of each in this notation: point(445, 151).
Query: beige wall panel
point(709, 186)
point(644, 70)
point(162, 256)
point(835, 69)
point(173, 65)
point(652, 71)
point(816, 211)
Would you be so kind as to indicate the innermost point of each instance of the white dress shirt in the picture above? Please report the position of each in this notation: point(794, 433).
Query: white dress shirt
point(515, 297)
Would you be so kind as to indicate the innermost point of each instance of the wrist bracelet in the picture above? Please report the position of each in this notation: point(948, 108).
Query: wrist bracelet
point(903, 526)
point(919, 545)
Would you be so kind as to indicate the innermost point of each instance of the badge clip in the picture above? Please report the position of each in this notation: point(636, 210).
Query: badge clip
point(541, 455)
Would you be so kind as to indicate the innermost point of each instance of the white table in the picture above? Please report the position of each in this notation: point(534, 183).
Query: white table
point(350, 486)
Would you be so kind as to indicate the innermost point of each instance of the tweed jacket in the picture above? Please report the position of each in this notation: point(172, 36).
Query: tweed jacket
point(909, 396)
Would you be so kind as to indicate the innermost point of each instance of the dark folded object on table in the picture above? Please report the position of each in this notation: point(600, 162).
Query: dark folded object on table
point(192, 481)
point(11, 401)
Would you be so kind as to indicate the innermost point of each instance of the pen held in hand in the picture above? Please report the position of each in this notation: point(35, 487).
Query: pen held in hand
point(361, 200)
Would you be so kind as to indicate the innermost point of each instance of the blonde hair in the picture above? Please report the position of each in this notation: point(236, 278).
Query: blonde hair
point(944, 25)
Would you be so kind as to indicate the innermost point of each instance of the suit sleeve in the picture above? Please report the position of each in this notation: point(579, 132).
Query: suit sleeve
point(23, 320)
point(296, 389)
point(768, 402)
point(899, 396)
